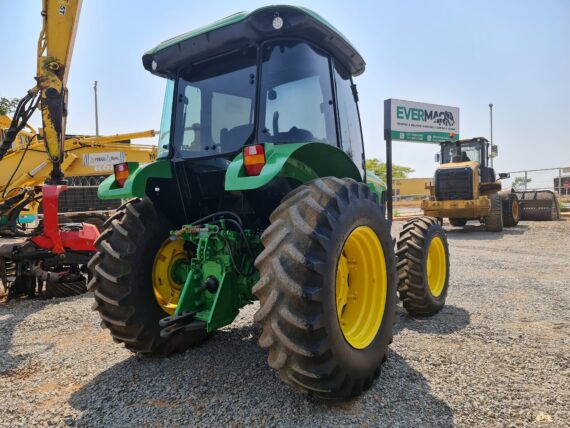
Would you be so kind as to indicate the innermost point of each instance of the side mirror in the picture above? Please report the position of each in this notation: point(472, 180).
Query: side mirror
point(437, 158)
point(503, 175)
point(494, 151)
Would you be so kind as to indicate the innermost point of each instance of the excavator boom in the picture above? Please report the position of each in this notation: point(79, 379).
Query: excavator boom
point(55, 49)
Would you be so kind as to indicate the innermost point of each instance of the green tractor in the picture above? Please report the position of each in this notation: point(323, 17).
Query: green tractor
point(260, 192)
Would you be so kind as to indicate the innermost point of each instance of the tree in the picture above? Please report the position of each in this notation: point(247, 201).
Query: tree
point(8, 105)
point(379, 168)
point(519, 183)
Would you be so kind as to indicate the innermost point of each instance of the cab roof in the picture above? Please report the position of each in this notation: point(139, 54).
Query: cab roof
point(245, 28)
point(467, 140)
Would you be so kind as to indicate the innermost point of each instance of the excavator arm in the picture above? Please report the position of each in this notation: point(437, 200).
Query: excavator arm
point(55, 48)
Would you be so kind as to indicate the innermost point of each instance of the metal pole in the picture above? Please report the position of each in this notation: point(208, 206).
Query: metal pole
point(491, 112)
point(559, 181)
point(389, 175)
point(96, 110)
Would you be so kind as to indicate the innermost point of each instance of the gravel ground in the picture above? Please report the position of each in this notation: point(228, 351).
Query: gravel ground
point(497, 355)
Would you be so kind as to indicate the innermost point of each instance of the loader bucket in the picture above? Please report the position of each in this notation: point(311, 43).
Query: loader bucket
point(536, 205)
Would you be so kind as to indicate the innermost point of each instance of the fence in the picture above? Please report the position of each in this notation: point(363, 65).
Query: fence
point(555, 179)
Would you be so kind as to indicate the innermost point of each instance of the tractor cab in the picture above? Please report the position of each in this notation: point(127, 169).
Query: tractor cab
point(278, 75)
point(255, 105)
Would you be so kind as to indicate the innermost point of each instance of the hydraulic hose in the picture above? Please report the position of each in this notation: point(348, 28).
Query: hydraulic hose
point(24, 111)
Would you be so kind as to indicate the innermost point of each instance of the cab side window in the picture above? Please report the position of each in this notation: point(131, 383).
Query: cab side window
point(349, 122)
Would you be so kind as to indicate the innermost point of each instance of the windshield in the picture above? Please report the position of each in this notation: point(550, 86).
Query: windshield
point(295, 94)
point(215, 105)
point(469, 152)
point(215, 100)
point(165, 122)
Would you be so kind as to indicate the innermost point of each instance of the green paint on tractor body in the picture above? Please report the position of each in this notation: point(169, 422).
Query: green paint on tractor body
point(299, 161)
point(220, 276)
point(135, 186)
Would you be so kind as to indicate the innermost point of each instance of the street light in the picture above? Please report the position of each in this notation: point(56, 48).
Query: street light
point(96, 109)
point(491, 112)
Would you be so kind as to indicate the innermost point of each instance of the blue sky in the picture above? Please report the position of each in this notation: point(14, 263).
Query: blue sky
point(515, 54)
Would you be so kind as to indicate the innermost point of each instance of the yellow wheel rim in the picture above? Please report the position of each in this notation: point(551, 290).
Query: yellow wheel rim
point(164, 282)
point(515, 210)
point(436, 266)
point(361, 287)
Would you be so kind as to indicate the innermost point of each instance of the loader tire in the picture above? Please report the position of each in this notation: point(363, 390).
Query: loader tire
point(423, 266)
point(122, 281)
point(314, 342)
point(511, 210)
point(494, 221)
point(458, 222)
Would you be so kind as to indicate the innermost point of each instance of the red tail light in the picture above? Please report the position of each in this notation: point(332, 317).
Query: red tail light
point(121, 173)
point(253, 159)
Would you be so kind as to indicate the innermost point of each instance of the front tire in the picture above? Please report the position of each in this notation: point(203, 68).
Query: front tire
point(122, 272)
point(423, 266)
point(494, 221)
point(311, 289)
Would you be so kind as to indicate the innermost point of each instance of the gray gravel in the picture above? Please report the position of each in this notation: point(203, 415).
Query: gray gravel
point(497, 355)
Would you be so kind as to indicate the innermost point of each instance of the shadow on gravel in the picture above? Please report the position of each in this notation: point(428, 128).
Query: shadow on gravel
point(12, 314)
point(478, 232)
point(449, 320)
point(227, 382)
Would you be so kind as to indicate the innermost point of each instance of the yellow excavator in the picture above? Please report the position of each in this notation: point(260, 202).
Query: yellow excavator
point(26, 155)
point(87, 160)
point(51, 259)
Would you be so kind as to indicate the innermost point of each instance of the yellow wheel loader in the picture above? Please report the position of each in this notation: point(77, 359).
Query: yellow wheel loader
point(465, 188)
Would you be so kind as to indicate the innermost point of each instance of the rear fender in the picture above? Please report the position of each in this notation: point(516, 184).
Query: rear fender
point(135, 185)
point(299, 161)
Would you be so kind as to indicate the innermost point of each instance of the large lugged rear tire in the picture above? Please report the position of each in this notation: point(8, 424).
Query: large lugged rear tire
point(328, 259)
point(511, 210)
point(122, 272)
point(423, 266)
point(494, 221)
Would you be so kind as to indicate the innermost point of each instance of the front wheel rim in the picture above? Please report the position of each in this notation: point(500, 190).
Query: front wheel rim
point(515, 210)
point(361, 287)
point(436, 266)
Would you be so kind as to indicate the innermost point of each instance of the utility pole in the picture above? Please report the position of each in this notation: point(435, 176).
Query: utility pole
point(491, 111)
point(96, 110)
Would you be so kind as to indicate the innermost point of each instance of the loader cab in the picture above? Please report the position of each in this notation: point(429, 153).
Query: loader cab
point(472, 150)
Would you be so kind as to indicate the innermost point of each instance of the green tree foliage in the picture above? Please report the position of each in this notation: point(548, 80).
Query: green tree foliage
point(379, 168)
point(8, 105)
point(519, 183)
